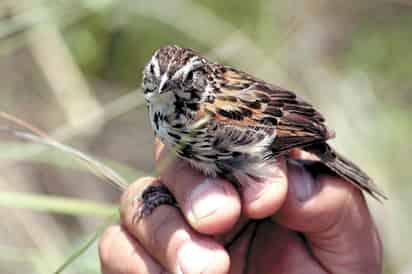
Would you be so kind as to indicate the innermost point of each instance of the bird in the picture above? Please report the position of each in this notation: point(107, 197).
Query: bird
point(226, 122)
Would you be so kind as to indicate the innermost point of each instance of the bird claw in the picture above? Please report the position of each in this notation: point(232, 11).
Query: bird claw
point(151, 198)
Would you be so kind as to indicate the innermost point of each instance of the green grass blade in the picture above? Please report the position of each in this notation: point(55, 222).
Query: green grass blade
point(55, 204)
point(80, 251)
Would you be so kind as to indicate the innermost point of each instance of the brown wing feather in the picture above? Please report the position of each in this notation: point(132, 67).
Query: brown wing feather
point(246, 101)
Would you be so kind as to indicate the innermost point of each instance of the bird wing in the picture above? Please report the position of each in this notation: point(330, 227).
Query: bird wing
point(241, 100)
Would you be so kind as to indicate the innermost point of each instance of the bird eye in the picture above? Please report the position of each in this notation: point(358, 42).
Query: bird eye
point(147, 89)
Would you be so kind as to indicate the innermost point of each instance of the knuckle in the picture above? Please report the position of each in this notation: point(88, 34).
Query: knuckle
point(164, 227)
point(347, 198)
point(105, 244)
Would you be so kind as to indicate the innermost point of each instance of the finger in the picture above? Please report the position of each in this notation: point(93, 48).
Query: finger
point(210, 205)
point(119, 252)
point(165, 235)
point(264, 196)
point(334, 217)
point(274, 249)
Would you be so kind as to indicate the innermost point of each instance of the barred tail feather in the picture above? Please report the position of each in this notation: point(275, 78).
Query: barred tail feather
point(346, 169)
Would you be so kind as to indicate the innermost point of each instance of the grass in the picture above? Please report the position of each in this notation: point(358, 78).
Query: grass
point(224, 31)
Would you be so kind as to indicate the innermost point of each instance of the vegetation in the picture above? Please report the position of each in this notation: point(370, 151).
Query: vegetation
point(73, 68)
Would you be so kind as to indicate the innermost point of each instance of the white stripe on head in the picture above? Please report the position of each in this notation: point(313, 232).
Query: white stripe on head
point(156, 65)
point(163, 81)
point(192, 64)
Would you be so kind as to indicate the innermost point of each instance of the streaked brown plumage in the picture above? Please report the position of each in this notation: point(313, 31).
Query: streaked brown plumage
point(226, 122)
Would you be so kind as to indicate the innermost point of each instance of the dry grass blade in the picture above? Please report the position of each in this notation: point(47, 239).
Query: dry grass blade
point(32, 134)
point(22, 124)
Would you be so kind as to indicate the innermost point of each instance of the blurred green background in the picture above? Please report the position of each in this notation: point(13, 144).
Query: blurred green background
point(73, 68)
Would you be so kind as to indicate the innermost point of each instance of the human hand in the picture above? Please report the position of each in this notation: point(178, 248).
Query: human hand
point(317, 225)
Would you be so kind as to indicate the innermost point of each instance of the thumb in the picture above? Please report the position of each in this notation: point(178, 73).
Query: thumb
point(333, 216)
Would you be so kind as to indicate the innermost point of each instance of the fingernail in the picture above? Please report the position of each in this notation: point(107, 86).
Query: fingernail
point(205, 199)
point(301, 181)
point(193, 258)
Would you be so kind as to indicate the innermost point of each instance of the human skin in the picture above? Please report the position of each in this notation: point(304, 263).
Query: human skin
point(311, 225)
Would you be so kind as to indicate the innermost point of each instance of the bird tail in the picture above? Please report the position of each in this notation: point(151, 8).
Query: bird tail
point(345, 168)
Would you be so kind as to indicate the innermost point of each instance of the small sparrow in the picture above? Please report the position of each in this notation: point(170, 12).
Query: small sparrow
point(225, 122)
